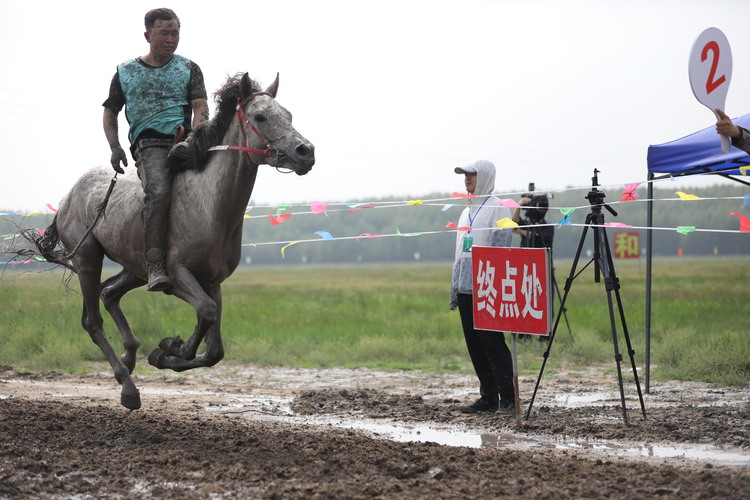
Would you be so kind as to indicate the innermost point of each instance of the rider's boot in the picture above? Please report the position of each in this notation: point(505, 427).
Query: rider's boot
point(158, 281)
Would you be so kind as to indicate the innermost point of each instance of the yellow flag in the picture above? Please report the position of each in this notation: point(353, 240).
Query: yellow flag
point(687, 197)
point(283, 249)
point(506, 223)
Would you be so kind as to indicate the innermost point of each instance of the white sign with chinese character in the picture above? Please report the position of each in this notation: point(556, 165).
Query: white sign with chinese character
point(512, 290)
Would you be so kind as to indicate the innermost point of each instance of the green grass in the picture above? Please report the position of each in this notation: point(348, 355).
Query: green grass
point(397, 317)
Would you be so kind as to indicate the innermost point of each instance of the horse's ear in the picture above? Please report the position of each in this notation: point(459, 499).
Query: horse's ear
point(246, 86)
point(274, 87)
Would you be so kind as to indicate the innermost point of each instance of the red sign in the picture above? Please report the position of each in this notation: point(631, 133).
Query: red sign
point(627, 245)
point(512, 289)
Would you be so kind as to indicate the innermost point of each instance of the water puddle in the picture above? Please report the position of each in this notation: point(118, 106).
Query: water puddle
point(278, 409)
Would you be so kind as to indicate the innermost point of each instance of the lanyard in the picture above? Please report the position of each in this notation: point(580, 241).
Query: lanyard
point(472, 219)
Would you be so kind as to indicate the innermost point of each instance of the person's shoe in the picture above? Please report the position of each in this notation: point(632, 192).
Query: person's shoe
point(480, 404)
point(158, 281)
point(506, 406)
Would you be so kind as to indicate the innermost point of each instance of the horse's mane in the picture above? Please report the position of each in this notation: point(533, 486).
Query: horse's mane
point(209, 133)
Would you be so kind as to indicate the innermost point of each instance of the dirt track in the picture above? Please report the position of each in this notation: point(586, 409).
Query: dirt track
point(248, 432)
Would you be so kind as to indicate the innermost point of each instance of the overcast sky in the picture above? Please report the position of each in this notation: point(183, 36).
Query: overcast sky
point(394, 94)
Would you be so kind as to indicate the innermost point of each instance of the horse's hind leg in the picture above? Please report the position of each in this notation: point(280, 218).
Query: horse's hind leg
point(88, 266)
point(112, 290)
point(179, 356)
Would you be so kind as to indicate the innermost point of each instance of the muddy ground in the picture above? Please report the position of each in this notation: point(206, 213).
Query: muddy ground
point(258, 432)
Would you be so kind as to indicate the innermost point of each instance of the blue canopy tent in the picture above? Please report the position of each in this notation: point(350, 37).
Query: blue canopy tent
point(696, 154)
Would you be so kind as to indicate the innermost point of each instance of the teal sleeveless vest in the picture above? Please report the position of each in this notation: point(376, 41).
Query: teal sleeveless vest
point(155, 98)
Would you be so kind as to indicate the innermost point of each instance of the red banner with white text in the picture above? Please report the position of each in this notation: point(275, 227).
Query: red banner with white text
point(512, 289)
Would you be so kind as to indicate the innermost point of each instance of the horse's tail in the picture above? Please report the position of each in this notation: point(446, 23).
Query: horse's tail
point(46, 245)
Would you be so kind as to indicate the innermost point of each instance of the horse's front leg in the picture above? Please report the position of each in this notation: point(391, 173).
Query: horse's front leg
point(177, 355)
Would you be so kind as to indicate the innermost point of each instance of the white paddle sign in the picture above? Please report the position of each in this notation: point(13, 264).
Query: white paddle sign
point(710, 69)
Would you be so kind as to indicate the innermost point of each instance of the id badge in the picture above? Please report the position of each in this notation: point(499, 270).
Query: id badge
point(468, 241)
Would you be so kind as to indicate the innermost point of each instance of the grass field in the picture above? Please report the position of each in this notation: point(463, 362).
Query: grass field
point(397, 317)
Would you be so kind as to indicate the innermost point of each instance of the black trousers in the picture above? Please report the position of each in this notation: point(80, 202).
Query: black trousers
point(489, 354)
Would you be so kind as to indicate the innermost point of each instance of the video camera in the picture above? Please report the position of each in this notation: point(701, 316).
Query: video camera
point(537, 207)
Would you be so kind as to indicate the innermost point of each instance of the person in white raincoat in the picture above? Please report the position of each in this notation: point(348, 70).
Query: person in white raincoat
point(489, 354)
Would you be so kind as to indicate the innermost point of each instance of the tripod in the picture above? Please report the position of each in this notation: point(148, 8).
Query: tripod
point(603, 265)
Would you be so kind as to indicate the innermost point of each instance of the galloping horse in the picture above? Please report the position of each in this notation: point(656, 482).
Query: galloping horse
point(205, 226)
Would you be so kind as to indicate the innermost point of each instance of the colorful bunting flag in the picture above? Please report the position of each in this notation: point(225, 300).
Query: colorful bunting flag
point(506, 223)
point(325, 235)
point(567, 212)
point(319, 207)
point(629, 193)
point(744, 222)
point(278, 220)
point(616, 224)
point(507, 202)
point(360, 208)
point(687, 197)
point(368, 235)
point(283, 249)
point(407, 235)
point(685, 229)
point(458, 228)
point(463, 196)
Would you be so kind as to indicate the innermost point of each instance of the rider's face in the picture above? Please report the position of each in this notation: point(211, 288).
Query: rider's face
point(164, 37)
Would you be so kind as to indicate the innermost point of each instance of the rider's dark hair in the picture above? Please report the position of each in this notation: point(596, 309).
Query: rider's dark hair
point(164, 14)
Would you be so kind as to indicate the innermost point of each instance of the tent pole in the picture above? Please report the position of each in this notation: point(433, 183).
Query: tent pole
point(649, 257)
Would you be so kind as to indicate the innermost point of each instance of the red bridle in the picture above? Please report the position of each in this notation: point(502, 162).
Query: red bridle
point(244, 120)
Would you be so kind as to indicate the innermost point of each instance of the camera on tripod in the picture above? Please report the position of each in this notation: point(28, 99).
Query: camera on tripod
point(537, 207)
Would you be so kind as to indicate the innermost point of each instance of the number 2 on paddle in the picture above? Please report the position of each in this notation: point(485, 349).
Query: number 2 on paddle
point(711, 83)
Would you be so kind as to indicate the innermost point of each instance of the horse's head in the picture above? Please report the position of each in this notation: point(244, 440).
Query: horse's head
point(267, 124)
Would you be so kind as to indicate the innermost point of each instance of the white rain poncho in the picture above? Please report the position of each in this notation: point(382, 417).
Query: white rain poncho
point(481, 216)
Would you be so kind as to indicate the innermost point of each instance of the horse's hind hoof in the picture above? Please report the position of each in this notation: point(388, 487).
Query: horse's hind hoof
point(156, 358)
point(171, 345)
point(131, 401)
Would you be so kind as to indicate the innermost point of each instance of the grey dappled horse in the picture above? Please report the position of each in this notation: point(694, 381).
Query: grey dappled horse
point(205, 226)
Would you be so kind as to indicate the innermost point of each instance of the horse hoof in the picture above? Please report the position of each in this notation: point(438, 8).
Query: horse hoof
point(156, 358)
point(131, 401)
point(171, 345)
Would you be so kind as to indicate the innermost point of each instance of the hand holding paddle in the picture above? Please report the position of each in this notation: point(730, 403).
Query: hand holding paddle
point(725, 127)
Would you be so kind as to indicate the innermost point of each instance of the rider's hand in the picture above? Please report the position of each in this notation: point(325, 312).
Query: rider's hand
point(118, 155)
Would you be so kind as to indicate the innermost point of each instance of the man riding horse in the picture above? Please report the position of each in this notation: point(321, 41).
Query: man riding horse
point(161, 91)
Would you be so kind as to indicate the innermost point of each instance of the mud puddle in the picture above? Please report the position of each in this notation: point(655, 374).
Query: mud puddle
point(279, 410)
